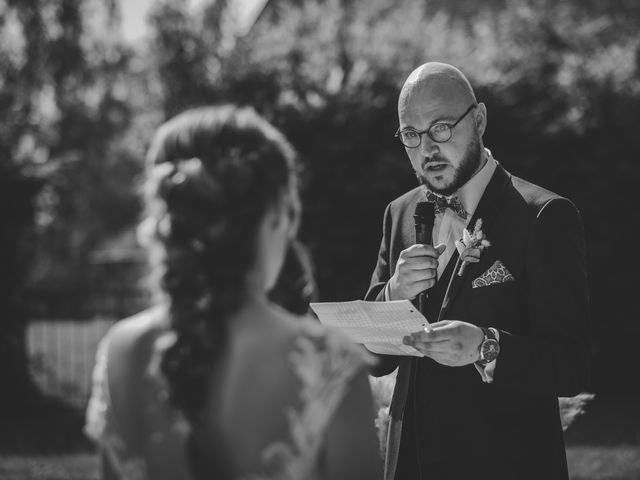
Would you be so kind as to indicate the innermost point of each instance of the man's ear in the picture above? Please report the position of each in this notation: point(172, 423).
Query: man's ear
point(480, 118)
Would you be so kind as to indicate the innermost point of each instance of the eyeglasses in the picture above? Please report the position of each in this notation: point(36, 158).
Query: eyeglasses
point(438, 132)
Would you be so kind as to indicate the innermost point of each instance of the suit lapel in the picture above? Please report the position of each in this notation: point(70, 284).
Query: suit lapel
point(408, 232)
point(487, 209)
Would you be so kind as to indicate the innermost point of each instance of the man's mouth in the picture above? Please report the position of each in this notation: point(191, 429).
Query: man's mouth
point(435, 167)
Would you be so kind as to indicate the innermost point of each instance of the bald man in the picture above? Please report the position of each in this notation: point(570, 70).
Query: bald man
point(510, 329)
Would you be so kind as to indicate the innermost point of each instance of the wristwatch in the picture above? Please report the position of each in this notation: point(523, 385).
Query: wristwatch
point(490, 347)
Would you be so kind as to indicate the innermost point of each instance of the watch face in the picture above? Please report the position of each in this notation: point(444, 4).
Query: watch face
point(490, 350)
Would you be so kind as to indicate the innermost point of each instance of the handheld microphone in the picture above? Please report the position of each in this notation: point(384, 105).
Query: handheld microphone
point(423, 218)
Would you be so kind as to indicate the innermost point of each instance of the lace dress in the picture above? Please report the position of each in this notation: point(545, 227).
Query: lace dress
point(323, 362)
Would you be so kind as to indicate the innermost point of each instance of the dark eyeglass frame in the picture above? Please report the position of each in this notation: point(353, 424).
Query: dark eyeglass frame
point(450, 127)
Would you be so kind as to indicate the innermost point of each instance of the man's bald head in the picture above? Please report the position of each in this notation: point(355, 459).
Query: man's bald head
point(437, 95)
point(433, 81)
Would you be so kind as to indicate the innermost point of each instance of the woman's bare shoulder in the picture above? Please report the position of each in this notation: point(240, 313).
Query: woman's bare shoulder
point(138, 332)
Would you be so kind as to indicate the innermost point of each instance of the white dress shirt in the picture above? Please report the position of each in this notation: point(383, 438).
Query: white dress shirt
point(448, 227)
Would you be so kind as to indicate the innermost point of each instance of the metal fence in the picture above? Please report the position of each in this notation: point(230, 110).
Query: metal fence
point(62, 355)
point(86, 302)
point(68, 319)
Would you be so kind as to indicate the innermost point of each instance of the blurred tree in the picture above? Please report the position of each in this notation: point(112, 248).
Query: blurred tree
point(186, 71)
point(60, 107)
point(561, 81)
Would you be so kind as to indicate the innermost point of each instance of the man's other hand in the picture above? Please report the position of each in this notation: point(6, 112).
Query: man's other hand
point(449, 342)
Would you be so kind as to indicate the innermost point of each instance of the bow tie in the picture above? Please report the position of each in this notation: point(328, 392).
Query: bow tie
point(441, 203)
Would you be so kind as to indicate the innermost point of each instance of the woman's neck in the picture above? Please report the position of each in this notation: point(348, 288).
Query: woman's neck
point(252, 311)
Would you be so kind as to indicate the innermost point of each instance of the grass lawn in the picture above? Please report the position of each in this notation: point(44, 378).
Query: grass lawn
point(585, 463)
point(60, 467)
point(619, 462)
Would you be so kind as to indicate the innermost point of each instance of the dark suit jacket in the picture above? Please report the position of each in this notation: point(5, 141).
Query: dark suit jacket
point(512, 425)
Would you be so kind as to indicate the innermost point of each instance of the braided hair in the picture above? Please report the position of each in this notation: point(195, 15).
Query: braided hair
point(213, 174)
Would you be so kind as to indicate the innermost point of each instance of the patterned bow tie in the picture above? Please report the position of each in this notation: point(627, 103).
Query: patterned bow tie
point(442, 203)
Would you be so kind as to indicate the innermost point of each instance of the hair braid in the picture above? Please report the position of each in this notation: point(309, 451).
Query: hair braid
point(214, 173)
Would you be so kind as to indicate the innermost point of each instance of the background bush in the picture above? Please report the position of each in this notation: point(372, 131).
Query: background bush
point(560, 81)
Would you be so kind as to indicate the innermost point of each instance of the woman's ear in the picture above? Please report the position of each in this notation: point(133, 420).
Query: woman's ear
point(294, 212)
point(288, 210)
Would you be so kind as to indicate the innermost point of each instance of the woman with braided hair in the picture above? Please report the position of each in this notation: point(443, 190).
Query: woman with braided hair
point(217, 381)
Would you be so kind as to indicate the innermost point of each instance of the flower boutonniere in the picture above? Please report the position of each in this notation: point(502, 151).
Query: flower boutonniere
point(471, 246)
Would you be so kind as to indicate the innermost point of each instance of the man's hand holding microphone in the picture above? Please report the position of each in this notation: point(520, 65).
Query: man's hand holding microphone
point(416, 271)
point(452, 343)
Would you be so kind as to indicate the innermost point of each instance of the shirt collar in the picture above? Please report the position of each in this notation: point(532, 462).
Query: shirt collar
point(471, 192)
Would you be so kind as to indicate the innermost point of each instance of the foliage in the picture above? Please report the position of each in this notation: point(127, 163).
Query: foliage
point(557, 80)
point(562, 86)
point(560, 81)
point(86, 164)
point(60, 109)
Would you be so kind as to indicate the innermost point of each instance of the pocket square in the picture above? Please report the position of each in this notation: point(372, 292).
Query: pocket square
point(497, 273)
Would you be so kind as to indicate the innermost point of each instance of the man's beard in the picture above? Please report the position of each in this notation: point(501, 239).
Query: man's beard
point(467, 168)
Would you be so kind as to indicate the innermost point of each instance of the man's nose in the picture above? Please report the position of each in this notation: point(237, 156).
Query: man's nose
point(427, 146)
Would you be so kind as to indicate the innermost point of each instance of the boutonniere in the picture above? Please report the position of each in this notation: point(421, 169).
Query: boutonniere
point(471, 246)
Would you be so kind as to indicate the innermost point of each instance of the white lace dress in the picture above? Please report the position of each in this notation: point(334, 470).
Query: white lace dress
point(324, 364)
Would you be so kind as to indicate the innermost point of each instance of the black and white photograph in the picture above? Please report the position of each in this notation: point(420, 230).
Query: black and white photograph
point(319, 240)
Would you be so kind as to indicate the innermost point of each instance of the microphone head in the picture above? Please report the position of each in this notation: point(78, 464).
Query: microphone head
point(424, 212)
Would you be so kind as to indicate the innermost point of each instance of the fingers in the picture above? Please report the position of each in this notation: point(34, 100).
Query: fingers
point(421, 249)
point(416, 271)
point(415, 340)
point(441, 324)
point(439, 350)
point(422, 285)
point(426, 337)
point(421, 257)
point(415, 274)
point(437, 332)
point(471, 255)
point(418, 275)
point(441, 248)
point(420, 263)
point(450, 342)
point(411, 276)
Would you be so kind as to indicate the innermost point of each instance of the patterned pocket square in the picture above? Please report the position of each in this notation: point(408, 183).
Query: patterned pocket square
point(497, 273)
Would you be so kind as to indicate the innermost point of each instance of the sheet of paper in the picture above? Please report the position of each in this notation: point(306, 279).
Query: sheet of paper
point(380, 326)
